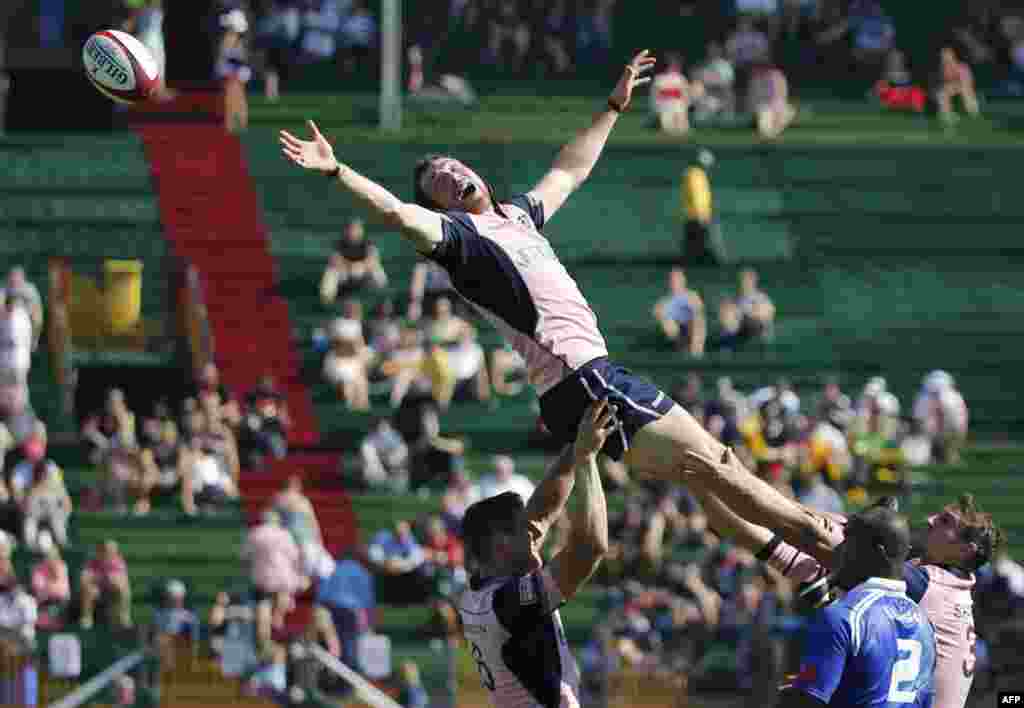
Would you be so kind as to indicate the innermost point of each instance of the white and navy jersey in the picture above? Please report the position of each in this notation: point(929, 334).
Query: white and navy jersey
point(508, 270)
point(515, 635)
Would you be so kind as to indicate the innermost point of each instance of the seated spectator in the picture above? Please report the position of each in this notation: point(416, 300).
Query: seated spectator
point(16, 346)
point(814, 493)
point(51, 587)
point(105, 585)
point(273, 558)
point(594, 32)
point(718, 78)
point(346, 590)
point(321, 22)
point(690, 396)
point(110, 429)
point(457, 355)
point(397, 558)
point(895, 89)
point(297, 513)
point(460, 493)
point(956, 79)
point(442, 547)
point(20, 290)
point(208, 382)
point(383, 330)
point(433, 457)
point(345, 366)
point(411, 693)
point(384, 458)
point(358, 36)
point(404, 364)
point(165, 462)
point(18, 610)
point(429, 281)
point(872, 32)
point(173, 619)
point(508, 370)
point(556, 27)
point(354, 265)
point(508, 37)
point(263, 432)
point(212, 478)
point(941, 411)
point(680, 315)
point(45, 507)
point(503, 479)
point(756, 310)
point(768, 99)
point(747, 44)
point(671, 94)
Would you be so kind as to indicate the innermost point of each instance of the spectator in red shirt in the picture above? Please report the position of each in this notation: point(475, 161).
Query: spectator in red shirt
point(670, 98)
point(443, 547)
point(51, 587)
point(105, 583)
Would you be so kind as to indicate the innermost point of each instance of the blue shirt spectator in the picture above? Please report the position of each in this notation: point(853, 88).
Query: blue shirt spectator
point(398, 551)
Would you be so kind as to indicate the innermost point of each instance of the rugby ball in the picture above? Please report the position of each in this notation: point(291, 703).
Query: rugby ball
point(120, 66)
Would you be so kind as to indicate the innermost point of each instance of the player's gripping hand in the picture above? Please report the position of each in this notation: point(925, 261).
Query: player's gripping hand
point(632, 77)
point(597, 424)
point(316, 154)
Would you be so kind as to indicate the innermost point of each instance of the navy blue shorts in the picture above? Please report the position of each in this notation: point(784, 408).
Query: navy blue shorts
point(639, 401)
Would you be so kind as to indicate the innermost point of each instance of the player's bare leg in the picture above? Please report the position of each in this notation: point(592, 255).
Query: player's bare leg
point(675, 448)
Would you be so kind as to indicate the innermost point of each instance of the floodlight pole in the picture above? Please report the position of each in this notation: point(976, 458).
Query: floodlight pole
point(391, 65)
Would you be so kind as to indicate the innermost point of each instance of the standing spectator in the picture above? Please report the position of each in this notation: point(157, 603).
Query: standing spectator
point(104, 583)
point(680, 315)
point(670, 98)
point(20, 289)
point(956, 79)
point(718, 78)
point(232, 68)
point(354, 265)
point(278, 34)
point(18, 610)
point(503, 479)
point(273, 558)
point(358, 36)
point(384, 458)
point(297, 513)
point(768, 99)
point(941, 411)
point(756, 310)
point(51, 587)
point(345, 589)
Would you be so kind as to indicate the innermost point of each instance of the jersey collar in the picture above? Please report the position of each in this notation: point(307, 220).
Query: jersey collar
point(888, 584)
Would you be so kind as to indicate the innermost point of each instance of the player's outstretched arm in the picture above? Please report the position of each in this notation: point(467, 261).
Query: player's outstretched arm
point(420, 226)
point(588, 540)
point(548, 500)
point(577, 159)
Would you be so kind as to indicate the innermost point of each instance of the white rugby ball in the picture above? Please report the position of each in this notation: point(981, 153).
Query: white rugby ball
point(120, 66)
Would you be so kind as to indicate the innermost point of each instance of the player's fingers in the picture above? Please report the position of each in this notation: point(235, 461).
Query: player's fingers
point(642, 80)
point(289, 139)
point(603, 422)
point(597, 408)
point(316, 131)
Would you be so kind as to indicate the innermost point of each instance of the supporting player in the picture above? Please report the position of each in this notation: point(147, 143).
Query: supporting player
point(875, 647)
point(509, 614)
point(960, 539)
point(499, 261)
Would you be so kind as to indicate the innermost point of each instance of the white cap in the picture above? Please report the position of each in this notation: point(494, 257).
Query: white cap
point(235, 21)
point(175, 588)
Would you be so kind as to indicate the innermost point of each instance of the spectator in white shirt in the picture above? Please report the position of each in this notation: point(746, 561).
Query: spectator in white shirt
point(942, 413)
point(20, 288)
point(18, 609)
point(16, 342)
point(670, 98)
point(504, 479)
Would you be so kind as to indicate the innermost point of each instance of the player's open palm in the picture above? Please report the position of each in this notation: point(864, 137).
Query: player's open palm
point(635, 74)
point(316, 154)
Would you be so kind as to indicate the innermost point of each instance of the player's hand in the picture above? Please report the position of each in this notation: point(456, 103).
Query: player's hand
point(598, 423)
point(632, 76)
point(316, 154)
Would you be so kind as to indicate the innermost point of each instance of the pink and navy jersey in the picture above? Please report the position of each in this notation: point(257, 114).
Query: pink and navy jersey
point(506, 268)
point(874, 647)
point(945, 597)
point(515, 636)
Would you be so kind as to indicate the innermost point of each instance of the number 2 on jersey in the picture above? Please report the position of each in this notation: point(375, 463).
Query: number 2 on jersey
point(486, 677)
point(905, 671)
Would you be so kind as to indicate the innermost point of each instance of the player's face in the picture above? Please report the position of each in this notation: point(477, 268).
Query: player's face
point(945, 537)
point(453, 186)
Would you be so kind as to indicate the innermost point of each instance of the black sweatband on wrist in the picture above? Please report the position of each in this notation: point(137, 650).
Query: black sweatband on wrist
point(614, 106)
point(765, 553)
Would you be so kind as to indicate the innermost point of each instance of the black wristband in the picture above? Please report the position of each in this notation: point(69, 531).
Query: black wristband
point(769, 548)
point(614, 106)
point(333, 174)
